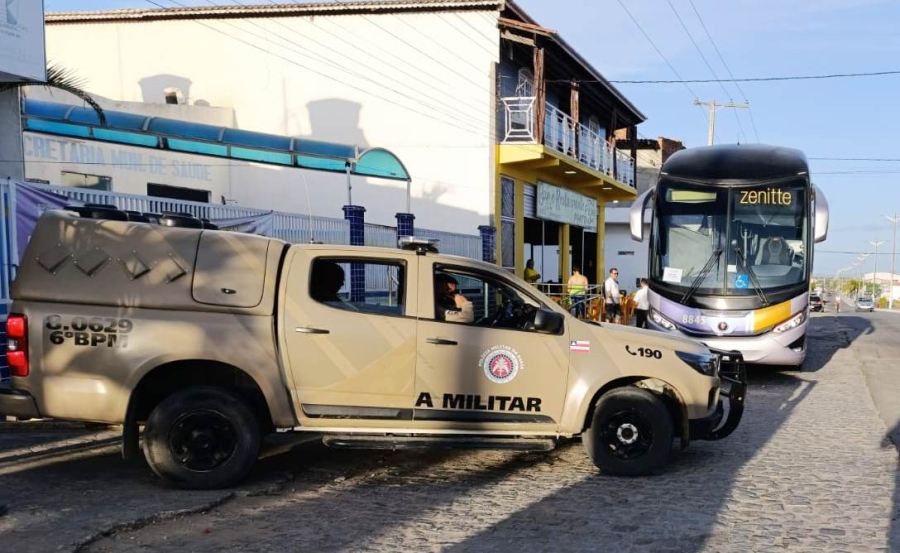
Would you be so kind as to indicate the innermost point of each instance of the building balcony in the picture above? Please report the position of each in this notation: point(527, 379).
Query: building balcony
point(565, 136)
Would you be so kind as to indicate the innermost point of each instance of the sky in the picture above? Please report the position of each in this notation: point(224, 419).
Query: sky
point(838, 118)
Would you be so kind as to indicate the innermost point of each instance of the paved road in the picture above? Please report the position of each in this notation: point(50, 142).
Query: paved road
point(810, 469)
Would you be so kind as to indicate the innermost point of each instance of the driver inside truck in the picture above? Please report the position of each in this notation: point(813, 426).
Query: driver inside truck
point(450, 305)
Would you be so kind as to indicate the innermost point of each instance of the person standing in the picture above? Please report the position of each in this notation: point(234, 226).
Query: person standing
point(642, 300)
point(611, 291)
point(531, 276)
point(578, 284)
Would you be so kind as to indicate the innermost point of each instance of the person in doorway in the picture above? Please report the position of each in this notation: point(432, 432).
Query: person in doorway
point(531, 276)
point(451, 306)
point(578, 284)
point(642, 303)
point(611, 293)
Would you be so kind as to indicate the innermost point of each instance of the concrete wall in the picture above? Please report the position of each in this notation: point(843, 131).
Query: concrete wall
point(417, 84)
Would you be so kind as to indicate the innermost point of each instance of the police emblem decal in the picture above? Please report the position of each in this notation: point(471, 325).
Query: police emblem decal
point(501, 364)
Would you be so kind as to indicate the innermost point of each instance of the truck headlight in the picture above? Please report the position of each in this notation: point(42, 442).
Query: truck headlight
point(703, 363)
point(791, 323)
point(658, 318)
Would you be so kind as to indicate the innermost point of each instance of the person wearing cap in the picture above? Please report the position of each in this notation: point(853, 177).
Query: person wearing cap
point(450, 305)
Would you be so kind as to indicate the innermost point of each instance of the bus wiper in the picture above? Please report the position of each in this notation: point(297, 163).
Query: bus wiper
point(701, 276)
point(756, 287)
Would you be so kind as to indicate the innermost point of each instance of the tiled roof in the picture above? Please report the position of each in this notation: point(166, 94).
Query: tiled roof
point(273, 10)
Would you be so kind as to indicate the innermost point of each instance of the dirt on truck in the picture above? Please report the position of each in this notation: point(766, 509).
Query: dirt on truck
point(200, 342)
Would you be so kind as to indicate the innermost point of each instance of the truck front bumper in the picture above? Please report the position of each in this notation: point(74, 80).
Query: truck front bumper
point(17, 403)
point(733, 375)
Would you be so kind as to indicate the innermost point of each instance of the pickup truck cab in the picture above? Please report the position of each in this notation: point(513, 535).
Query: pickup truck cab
point(209, 340)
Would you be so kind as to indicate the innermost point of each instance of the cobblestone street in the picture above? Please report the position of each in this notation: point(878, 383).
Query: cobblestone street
point(810, 468)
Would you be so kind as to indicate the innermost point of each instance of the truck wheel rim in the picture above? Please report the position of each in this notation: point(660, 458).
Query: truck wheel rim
point(202, 440)
point(627, 435)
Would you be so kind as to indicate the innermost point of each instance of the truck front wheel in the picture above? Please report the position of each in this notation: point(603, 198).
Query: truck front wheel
point(630, 434)
point(202, 437)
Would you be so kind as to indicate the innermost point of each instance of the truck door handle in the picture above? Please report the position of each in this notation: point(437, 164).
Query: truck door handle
point(309, 330)
point(441, 342)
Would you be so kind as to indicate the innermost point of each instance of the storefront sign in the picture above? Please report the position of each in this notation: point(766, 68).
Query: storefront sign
point(565, 206)
point(22, 40)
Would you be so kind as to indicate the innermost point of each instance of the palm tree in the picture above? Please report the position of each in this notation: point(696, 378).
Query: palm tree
point(852, 286)
point(63, 79)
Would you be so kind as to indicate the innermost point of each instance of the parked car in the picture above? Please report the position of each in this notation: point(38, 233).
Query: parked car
point(212, 339)
point(865, 304)
point(816, 303)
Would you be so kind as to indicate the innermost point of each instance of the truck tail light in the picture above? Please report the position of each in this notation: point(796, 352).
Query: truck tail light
point(17, 345)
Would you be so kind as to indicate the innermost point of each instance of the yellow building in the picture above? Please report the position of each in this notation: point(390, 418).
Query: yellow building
point(566, 148)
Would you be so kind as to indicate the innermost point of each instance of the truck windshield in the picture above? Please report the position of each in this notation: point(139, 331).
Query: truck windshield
point(764, 237)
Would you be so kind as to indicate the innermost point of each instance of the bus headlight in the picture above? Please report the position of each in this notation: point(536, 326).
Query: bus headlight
point(658, 318)
point(703, 363)
point(791, 323)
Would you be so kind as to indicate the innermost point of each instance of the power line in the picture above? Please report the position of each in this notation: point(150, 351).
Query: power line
point(708, 66)
point(317, 57)
point(876, 159)
point(728, 69)
point(323, 74)
point(662, 56)
point(743, 80)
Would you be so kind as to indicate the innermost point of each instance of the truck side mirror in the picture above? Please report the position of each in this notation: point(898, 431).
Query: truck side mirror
point(548, 321)
point(636, 216)
point(821, 214)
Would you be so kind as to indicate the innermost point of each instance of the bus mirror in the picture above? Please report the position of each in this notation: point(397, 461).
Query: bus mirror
point(821, 214)
point(636, 217)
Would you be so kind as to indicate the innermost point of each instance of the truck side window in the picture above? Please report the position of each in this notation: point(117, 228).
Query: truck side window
point(364, 286)
point(494, 303)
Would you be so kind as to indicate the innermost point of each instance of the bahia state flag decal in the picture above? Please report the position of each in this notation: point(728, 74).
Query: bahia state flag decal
point(581, 346)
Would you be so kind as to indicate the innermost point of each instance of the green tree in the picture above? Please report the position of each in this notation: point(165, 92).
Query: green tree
point(852, 286)
point(60, 78)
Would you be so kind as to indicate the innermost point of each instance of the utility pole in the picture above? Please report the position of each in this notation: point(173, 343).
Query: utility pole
point(875, 271)
point(893, 220)
point(712, 105)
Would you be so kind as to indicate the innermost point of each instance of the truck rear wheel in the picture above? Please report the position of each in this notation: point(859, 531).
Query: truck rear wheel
point(630, 434)
point(202, 437)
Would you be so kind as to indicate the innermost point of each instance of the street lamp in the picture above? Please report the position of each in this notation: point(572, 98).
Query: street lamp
point(893, 220)
point(875, 270)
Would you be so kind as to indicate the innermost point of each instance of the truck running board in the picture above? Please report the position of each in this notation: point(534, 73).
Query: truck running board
point(356, 441)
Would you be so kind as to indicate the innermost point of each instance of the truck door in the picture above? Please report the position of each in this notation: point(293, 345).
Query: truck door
point(491, 373)
point(349, 332)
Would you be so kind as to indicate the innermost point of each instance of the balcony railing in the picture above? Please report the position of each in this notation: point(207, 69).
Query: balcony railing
point(566, 136)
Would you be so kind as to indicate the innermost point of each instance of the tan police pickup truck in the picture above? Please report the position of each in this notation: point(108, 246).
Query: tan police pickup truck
point(209, 340)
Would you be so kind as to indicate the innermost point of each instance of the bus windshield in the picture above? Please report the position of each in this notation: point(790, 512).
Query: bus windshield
point(740, 240)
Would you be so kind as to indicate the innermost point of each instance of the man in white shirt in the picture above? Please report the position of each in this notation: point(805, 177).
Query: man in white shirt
point(642, 299)
point(611, 291)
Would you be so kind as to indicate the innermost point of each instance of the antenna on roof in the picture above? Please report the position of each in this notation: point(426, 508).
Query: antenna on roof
point(312, 238)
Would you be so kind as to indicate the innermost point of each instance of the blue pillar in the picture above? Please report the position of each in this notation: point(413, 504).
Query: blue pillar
point(405, 225)
point(355, 215)
point(488, 243)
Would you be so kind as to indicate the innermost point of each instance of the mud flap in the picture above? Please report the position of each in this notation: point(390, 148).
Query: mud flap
point(733, 375)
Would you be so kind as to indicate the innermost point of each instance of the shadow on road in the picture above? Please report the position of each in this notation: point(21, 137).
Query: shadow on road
point(829, 333)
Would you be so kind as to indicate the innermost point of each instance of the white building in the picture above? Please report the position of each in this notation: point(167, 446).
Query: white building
point(458, 90)
point(629, 257)
point(884, 282)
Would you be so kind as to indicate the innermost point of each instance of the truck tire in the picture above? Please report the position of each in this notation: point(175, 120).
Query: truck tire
point(630, 434)
point(202, 437)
